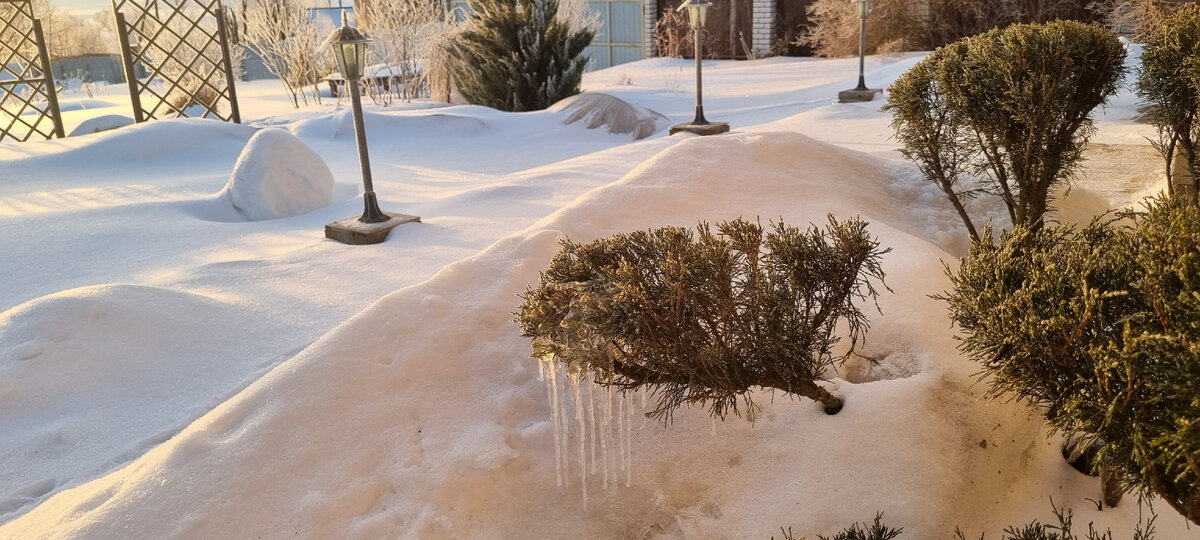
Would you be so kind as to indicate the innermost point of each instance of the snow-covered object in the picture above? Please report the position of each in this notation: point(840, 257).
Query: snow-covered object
point(612, 112)
point(277, 176)
point(101, 123)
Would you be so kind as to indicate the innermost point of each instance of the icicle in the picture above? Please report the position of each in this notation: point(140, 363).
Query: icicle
point(605, 418)
point(573, 374)
point(629, 445)
point(592, 421)
point(548, 369)
point(613, 441)
point(621, 439)
point(564, 422)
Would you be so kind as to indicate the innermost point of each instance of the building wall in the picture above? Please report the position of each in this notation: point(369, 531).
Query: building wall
point(764, 25)
point(651, 15)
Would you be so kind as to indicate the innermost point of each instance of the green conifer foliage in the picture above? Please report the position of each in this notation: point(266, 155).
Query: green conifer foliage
point(1170, 79)
point(1100, 327)
point(702, 317)
point(1012, 103)
point(517, 55)
point(933, 133)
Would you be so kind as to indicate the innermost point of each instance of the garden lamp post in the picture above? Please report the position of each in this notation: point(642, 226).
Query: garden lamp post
point(697, 15)
point(861, 92)
point(350, 50)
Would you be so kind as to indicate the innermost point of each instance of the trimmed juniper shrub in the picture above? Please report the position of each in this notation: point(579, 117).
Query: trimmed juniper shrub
point(701, 317)
point(1099, 327)
point(876, 531)
point(1170, 80)
point(933, 133)
point(1040, 531)
point(518, 55)
point(1013, 104)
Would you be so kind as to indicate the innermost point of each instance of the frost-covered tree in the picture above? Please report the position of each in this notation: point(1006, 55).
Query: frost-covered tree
point(402, 30)
point(1136, 18)
point(701, 318)
point(291, 44)
point(518, 55)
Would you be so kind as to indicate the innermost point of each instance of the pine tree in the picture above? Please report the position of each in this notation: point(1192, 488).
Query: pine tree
point(518, 55)
point(701, 318)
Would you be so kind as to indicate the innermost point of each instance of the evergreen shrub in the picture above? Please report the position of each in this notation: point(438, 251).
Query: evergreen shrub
point(518, 55)
point(1170, 80)
point(702, 317)
point(1099, 327)
point(1040, 531)
point(875, 531)
point(1013, 104)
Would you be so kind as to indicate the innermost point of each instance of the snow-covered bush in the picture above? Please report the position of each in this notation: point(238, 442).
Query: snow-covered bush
point(703, 317)
point(518, 55)
point(1170, 80)
point(1099, 327)
point(1014, 103)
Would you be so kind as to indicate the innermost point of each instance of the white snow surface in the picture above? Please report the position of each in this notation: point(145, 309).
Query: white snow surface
point(277, 176)
point(169, 372)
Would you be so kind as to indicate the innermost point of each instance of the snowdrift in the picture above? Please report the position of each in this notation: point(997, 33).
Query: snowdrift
point(421, 417)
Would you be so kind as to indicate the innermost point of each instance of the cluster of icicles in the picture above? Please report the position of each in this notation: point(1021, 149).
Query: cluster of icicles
point(596, 418)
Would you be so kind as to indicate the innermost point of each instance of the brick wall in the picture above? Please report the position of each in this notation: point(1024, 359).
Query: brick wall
point(650, 13)
point(764, 26)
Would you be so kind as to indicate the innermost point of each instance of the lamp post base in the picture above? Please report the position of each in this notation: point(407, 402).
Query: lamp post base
point(856, 95)
point(707, 128)
point(354, 231)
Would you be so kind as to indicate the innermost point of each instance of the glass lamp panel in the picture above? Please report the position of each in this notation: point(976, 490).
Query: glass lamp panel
point(350, 59)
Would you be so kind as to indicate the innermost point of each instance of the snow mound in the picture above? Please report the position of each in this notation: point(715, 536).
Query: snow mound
point(101, 123)
point(278, 176)
point(73, 363)
point(603, 110)
point(340, 124)
point(174, 144)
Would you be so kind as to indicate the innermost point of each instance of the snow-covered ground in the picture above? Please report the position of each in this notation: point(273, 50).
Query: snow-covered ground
point(169, 368)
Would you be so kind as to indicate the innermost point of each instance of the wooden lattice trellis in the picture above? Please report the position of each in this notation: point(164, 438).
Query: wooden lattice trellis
point(183, 44)
point(28, 102)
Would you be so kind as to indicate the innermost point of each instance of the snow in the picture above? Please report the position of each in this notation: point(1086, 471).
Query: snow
point(101, 123)
point(167, 371)
point(277, 176)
